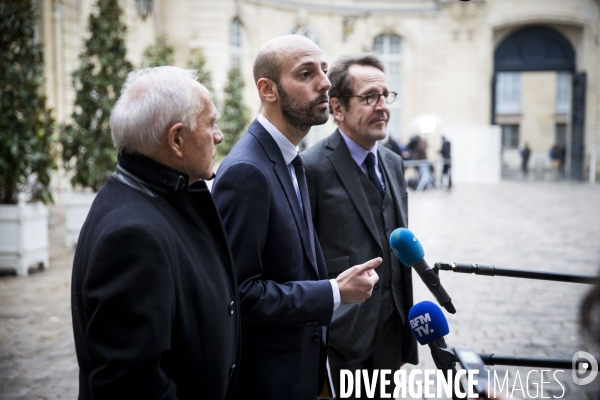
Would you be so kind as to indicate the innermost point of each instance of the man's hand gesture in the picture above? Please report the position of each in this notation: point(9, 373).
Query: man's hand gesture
point(356, 283)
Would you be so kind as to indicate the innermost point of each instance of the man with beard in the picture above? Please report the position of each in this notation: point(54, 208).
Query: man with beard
point(260, 190)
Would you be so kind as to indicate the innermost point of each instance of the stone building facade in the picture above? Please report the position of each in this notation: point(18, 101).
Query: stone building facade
point(530, 66)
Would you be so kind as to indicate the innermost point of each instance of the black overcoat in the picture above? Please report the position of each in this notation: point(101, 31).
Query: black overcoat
point(154, 296)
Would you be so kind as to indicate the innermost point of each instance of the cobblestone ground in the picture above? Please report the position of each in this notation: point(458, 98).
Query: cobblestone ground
point(542, 226)
point(526, 225)
point(37, 352)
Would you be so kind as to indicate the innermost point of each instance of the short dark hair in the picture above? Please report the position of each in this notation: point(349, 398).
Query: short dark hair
point(340, 81)
point(266, 65)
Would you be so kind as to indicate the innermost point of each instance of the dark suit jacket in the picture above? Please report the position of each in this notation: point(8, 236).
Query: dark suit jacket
point(348, 235)
point(284, 299)
point(154, 295)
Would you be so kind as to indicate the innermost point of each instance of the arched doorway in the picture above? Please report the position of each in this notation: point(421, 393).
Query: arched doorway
point(539, 48)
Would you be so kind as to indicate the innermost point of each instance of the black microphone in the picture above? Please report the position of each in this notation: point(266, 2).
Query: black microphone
point(409, 250)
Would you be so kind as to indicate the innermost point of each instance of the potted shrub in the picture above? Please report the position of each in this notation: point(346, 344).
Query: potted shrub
point(26, 142)
point(158, 54)
point(87, 148)
point(234, 117)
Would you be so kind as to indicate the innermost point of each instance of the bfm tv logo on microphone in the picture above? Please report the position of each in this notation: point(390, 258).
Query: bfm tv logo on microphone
point(420, 324)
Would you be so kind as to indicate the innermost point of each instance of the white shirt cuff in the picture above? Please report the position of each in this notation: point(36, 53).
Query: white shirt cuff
point(336, 293)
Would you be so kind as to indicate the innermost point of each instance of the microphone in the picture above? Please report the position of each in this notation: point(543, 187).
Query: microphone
point(429, 326)
point(408, 249)
point(428, 322)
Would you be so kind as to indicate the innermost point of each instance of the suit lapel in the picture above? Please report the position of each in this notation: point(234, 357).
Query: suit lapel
point(283, 175)
point(345, 167)
point(386, 165)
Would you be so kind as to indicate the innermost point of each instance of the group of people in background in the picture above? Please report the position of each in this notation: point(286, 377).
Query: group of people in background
point(557, 156)
point(416, 149)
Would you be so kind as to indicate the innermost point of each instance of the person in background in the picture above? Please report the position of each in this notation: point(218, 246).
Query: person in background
point(558, 156)
point(446, 154)
point(525, 154)
point(393, 145)
point(424, 169)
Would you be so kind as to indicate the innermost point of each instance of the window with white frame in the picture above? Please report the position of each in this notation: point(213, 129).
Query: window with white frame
point(508, 93)
point(563, 92)
point(235, 43)
point(389, 49)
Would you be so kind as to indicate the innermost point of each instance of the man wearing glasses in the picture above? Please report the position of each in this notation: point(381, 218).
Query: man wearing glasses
point(358, 197)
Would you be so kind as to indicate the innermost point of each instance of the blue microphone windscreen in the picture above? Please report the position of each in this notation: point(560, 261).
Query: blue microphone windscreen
point(406, 247)
point(427, 322)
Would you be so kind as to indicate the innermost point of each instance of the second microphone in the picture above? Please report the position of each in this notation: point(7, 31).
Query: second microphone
point(408, 249)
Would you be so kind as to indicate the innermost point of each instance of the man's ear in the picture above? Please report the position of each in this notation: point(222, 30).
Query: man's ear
point(338, 110)
point(267, 90)
point(175, 139)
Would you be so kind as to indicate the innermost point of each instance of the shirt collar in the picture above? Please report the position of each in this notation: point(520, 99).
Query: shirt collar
point(288, 150)
point(357, 153)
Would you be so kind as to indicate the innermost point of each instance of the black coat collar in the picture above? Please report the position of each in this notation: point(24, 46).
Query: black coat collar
point(154, 173)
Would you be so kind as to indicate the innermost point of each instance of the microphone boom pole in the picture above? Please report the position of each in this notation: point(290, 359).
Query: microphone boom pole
point(491, 270)
point(536, 362)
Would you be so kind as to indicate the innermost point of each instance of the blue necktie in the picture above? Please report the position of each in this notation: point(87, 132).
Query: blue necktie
point(301, 177)
point(370, 163)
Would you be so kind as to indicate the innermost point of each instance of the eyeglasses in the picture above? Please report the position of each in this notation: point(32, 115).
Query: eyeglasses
point(373, 98)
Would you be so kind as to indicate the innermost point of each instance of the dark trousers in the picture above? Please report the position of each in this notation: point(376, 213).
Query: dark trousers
point(446, 172)
point(386, 354)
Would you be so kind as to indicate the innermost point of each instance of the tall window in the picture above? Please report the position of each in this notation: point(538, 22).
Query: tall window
point(563, 92)
point(510, 136)
point(235, 43)
point(389, 48)
point(560, 134)
point(508, 93)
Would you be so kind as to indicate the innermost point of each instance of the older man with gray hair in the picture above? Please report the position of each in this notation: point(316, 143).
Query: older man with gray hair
point(154, 294)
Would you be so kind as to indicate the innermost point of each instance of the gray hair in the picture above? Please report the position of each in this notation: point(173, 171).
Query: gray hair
point(152, 100)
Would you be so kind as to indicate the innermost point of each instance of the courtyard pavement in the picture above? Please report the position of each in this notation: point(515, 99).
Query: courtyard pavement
point(542, 226)
point(547, 226)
